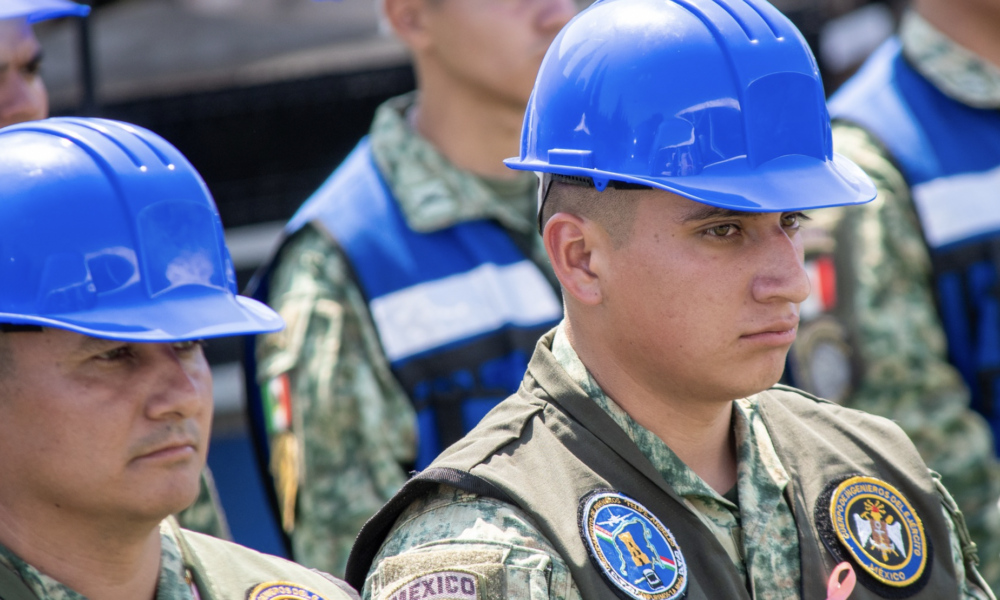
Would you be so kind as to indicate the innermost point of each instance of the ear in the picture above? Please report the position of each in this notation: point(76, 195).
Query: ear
point(408, 19)
point(577, 249)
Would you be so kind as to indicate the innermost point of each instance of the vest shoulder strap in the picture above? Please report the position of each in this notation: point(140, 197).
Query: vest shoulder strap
point(12, 587)
point(227, 571)
point(872, 100)
point(376, 530)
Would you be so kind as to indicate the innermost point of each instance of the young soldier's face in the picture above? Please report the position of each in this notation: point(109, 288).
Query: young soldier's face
point(704, 302)
point(22, 93)
point(495, 46)
point(102, 428)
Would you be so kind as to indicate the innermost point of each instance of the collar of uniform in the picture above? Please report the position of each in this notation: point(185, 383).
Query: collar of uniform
point(172, 584)
point(761, 478)
point(951, 68)
point(432, 193)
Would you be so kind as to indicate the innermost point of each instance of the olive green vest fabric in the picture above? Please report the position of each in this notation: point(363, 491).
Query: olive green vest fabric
point(222, 571)
point(550, 445)
point(226, 571)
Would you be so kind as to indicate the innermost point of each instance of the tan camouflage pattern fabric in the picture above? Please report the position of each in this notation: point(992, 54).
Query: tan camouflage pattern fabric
point(173, 583)
point(354, 424)
point(451, 528)
point(206, 515)
point(889, 312)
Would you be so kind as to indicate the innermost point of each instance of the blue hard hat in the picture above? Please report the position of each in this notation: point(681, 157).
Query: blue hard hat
point(107, 230)
point(719, 101)
point(41, 10)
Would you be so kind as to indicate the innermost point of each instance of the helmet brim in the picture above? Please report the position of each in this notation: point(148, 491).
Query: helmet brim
point(785, 184)
point(182, 318)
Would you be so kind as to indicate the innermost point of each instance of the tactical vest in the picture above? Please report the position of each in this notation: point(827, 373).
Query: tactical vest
point(549, 447)
point(949, 153)
point(226, 571)
point(458, 311)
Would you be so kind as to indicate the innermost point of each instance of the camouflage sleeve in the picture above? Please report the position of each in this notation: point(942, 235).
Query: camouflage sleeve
point(899, 344)
point(471, 546)
point(351, 424)
point(206, 514)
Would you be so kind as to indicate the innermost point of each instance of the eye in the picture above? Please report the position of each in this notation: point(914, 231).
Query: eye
point(117, 353)
point(188, 346)
point(793, 220)
point(34, 67)
point(727, 230)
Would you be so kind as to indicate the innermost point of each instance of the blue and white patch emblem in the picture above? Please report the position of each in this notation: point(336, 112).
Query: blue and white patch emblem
point(880, 530)
point(632, 548)
point(282, 590)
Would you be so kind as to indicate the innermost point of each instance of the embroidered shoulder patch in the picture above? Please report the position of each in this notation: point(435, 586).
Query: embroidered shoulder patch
point(441, 585)
point(282, 590)
point(631, 547)
point(869, 522)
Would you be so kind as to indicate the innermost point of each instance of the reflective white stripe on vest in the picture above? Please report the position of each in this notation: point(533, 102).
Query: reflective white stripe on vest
point(435, 313)
point(958, 207)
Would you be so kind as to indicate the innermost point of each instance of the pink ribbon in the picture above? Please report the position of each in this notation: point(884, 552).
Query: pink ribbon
point(838, 589)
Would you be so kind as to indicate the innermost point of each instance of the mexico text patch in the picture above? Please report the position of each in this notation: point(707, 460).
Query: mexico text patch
point(631, 547)
point(443, 585)
point(282, 590)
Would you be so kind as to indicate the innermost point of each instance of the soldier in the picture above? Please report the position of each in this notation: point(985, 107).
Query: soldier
point(908, 326)
point(648, 454)
point(413, 281)
point(23, 97)
point(112, 267)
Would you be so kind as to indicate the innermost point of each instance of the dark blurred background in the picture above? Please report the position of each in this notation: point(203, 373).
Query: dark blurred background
point(265, 97)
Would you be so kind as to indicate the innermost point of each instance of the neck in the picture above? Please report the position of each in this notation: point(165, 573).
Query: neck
point(698, 431)
point(472, 128)
point(100, 559)
point(972, 27)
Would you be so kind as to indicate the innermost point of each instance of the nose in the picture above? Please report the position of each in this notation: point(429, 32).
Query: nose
point(180, 387)
point(783, 277)
point(555, 14)
point(21, 98)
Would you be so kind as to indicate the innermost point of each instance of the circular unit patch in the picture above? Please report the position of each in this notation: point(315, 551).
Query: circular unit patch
point(282, 590)
point(632, 548)
point(880, 530)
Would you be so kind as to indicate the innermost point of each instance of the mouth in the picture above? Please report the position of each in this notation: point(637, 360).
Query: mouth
point(172, 451)
point(779, 333)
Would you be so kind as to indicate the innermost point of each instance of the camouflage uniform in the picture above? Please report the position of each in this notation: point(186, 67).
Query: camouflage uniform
point(354, 425)
point(174, 582)
point(754, 525)
point(887, 310)
point(206, 514)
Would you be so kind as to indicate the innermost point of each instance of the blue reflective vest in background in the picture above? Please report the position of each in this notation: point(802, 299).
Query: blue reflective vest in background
point(457, 311)
point(949, 153)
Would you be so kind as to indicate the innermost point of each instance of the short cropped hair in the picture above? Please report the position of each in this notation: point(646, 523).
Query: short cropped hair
point(613, 209)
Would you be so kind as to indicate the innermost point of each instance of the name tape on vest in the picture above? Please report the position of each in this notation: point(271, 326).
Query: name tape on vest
point(282, 590)
point(631, 547)
point(441, 585)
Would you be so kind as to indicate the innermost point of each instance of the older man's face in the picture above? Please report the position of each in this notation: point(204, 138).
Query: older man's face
point(95, 428)
point(22, 93)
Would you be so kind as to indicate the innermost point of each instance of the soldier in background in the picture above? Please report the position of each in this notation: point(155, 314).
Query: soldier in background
point(903, 320)
point(413, 282)
point(23, 97)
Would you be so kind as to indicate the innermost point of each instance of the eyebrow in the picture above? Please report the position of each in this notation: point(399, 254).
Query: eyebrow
point(705, 212)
